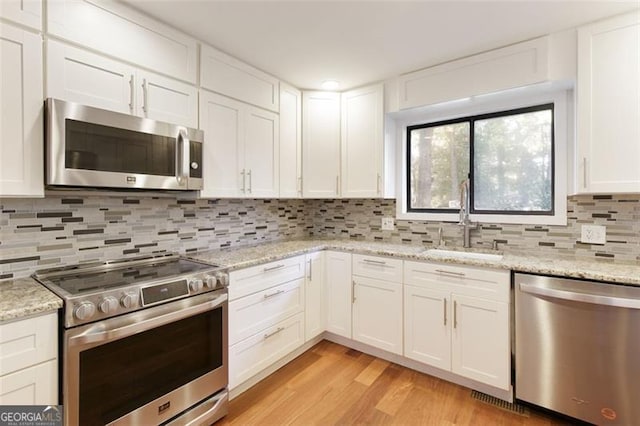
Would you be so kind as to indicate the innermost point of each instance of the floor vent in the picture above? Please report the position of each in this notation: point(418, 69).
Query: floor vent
point(503, 405)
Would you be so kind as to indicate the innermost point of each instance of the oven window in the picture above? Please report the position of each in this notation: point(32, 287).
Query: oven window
point(118, 377)
point(91, 146)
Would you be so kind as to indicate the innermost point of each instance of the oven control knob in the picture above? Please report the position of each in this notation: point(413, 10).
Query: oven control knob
point(210, 281)
point(129, 300)
point(195, 284)
point(84, 311)
point(108, 305)
point(223, 279)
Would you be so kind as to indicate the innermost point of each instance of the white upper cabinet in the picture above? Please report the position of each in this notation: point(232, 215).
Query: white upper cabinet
point(114, 29)
point(362, 142)
point(21, 121)
point(224, 74)
point(321, 144)
point(513, 66)
point(77, 75)
point(261, 153)
point(241, 154)
point(290, 142)
point(25, 12)
point(608, 107)
point(164, 99)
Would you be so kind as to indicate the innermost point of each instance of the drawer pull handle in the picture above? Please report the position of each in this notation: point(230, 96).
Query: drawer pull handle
point(277, 330)
point(374, 262)
point(273, 268)
point(457, 274)
point(267, 296)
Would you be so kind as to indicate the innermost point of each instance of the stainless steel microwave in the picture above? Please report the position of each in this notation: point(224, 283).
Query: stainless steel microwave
point(90, 147)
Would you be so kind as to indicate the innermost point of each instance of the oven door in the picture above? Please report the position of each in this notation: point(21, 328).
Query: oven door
point(149, 366)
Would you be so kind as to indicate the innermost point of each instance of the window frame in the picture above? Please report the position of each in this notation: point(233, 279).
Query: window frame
point(563, 98)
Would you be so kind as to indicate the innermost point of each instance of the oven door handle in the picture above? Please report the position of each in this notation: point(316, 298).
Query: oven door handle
point(137, 322)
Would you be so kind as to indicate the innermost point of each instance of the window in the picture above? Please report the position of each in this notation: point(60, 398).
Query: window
point(508, 157)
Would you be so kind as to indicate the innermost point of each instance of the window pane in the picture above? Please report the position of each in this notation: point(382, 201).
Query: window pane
point(439, 162)
point(513, 163)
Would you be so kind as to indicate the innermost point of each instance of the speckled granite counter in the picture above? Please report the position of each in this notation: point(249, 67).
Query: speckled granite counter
point(242, 257)
point(23, 297)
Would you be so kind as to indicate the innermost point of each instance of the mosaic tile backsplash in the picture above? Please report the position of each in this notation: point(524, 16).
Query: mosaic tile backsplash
point(360, 219)
point(55, 231)
point(61, 230)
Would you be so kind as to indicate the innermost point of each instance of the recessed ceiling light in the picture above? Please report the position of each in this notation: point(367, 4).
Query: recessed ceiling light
point(330, 85)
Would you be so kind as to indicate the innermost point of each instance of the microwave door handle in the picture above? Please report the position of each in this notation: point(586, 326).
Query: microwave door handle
point(182, 157)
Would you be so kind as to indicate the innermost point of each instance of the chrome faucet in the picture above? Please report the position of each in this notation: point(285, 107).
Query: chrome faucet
point(465, 222)
point(441, 241)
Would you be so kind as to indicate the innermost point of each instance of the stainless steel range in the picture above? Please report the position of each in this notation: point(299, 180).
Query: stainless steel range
point(144, 341)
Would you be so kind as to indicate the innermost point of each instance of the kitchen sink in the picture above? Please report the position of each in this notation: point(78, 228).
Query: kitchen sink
point(464, 254)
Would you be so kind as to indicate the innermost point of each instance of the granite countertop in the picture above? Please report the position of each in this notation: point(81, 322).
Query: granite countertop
point(243, 257)
point(23, 297)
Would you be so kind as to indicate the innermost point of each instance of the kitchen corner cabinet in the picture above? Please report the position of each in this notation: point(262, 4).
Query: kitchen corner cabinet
point(362, 142)
point(77, 75)
point(608, 106)
point(28, 13)
point(241, 151)
point(377, 302)
point(338, 297)
point(21, 96)
point(290, 142)
point(320, 144)
point(314, 314)
point(456, 318)
point(28, 361)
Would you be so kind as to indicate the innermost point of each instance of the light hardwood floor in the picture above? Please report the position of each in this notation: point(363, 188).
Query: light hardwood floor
point(334, 385)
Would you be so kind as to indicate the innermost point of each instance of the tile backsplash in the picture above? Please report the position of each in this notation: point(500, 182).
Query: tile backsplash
point(61, 230)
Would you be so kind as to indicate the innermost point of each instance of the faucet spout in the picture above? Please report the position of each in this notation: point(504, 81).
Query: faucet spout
point(465, 221)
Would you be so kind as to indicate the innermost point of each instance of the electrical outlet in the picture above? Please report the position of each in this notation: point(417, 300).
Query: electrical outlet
point(594, 234)
point(387, 224)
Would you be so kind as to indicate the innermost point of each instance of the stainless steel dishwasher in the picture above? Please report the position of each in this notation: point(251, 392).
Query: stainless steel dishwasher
point(578, 348)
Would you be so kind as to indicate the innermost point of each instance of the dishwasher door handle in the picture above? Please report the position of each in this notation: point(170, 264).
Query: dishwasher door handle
point(596, 299)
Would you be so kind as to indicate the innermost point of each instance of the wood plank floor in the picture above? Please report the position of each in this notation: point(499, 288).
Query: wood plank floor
point(334, 385)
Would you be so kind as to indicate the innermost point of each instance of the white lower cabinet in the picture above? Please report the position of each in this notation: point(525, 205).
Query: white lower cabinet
point(457, 318)
point(314, 312)
point(28, 361)
point(377, 313)
point(338, 286)
point(252, 355)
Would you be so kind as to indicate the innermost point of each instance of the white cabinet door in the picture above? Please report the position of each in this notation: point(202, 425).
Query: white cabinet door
point(377, 313)
point(338, 286)
point(608, 109)
point(77, 75)
point(314, 314)
point(321, 144)
point(427, 325)
point(164, 99)
point(21, 120)
point(25, 12)
point(261, 152)
point(37, 385)
point(290, 142)
point(480, 340)
point(362, 142)
point(220, 118)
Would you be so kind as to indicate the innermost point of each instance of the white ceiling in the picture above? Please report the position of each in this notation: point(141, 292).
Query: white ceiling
point(358, 42)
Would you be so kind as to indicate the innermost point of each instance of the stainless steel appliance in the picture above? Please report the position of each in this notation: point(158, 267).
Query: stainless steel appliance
point(91, 147)
point(144, 341)
point(578, 348)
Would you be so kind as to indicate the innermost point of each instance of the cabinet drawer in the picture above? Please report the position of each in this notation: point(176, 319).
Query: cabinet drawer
point(37, 385)
point(254, 354)
point(380, 268)
point(28, 342)
point(471, 281)
point(248, 315)
point(261, 277)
